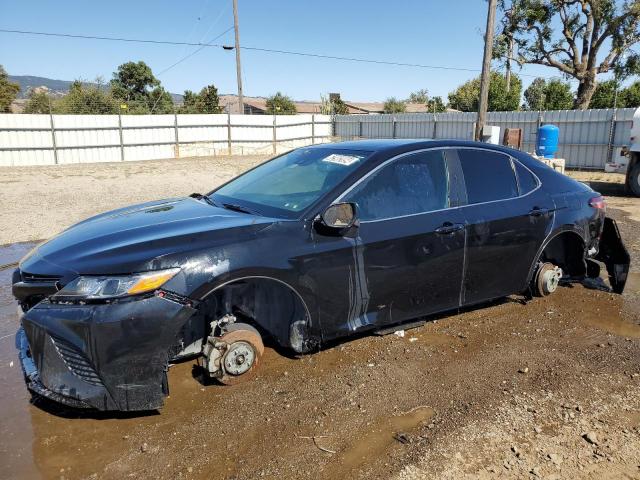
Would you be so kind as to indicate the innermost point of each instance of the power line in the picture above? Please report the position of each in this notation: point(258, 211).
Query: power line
point(259, 49)
point(203, 46)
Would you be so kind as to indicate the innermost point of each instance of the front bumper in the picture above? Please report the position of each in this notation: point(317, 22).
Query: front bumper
point(106, 356)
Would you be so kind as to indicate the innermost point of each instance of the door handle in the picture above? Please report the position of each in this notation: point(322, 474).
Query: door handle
point(448, 227)
point(538, 212)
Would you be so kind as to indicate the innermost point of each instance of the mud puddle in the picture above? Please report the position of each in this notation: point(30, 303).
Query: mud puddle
point(617, 314)
point(373, 443)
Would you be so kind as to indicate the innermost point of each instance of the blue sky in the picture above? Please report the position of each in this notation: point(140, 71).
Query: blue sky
point(429, 32)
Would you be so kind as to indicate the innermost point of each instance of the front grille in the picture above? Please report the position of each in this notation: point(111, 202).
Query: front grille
point(76, 361)
point(34, 277)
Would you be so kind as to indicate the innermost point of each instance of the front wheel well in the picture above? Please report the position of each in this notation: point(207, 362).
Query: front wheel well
point(567, 251)
point(272, 306)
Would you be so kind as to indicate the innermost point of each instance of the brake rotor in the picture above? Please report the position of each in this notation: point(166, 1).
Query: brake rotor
point(548, 279)
point(243, 354)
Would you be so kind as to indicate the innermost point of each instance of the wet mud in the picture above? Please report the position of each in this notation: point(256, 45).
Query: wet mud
point(361, 409)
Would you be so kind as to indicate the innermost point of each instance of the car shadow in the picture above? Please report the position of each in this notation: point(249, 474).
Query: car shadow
point(62, 411)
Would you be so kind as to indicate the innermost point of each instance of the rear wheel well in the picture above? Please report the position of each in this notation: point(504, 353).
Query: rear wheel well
point(567, 251)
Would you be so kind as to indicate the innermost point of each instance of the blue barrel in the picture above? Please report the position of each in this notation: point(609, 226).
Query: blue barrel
point(547, 144)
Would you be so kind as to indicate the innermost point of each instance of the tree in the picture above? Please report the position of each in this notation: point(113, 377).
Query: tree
point(604, 95)
point(135, 85)
point(87, 99)
point(467, 95)
point(333, 105)
point(38, 102)
point(189, 99)
point(280, 104)
point(393, 105)
point(419, 96)
point(579, 38)
point(552, 95)
point(536, 94)
point(207, 101)
point(8, 91)
point(436, 105)
point(630, 96)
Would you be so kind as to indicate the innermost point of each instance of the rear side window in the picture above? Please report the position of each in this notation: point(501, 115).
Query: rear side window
point(526, 180)
point(488, 175)
point(413, 184)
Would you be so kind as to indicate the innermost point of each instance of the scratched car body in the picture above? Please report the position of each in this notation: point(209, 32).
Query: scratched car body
point(313, 246)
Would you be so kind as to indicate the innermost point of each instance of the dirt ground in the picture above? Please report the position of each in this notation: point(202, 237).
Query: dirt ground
point(547, 388)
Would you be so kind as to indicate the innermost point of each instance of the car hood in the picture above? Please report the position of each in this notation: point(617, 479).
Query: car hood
point(139, 237)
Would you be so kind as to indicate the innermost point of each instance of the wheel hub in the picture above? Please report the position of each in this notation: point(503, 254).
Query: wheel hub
point(239, 358)
point(552, 278)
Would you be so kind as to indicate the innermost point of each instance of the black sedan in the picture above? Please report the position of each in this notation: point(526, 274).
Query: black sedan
point(312, 246)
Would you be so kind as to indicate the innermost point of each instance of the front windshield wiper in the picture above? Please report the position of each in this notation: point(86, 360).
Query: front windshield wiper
point(238, 208)
point(206, 198)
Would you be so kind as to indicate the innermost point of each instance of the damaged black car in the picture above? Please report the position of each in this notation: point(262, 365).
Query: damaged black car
point(312, 246)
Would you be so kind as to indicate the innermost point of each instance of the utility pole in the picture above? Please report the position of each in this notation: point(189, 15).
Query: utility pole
point(486, 69)
point(238, 68)
point(508, 66)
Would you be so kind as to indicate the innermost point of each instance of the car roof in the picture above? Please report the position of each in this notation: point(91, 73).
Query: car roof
point(399, 145)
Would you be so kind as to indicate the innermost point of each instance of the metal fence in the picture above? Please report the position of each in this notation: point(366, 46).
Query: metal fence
point(588, 139)
point(62, 139)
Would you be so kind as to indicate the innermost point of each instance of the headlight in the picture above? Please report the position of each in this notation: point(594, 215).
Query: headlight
point(99, 287)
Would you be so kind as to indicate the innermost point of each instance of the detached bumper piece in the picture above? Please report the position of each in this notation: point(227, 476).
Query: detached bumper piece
point(614, 255)
point(106, 356)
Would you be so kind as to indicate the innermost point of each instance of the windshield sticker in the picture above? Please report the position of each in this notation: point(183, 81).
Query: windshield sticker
point(345, 160)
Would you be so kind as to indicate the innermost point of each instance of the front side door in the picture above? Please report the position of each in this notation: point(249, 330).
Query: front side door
point(507, 218)
point(410, 243)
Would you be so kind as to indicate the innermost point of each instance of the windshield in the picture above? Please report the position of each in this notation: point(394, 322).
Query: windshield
point(290, 183)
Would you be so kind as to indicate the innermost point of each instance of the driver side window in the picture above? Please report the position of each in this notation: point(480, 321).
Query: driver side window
point(416, 183)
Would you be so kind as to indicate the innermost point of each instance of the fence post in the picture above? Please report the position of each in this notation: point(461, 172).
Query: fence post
point(273, 141)
point(175, 129)
point(120, 134)
point(612, 135)
point(313, 129)
point(538, 124)
point(359, 128)
point(229, 131)
point(435, 126)
point(393, 127)
point(53, 138)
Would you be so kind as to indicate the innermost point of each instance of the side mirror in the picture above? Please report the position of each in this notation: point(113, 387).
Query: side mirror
point(338, 218)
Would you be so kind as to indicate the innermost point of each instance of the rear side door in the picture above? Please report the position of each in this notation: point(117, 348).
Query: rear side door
point(507, 218)
point(411, 238)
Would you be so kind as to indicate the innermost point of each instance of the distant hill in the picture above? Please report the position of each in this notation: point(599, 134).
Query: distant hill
point(56, 87)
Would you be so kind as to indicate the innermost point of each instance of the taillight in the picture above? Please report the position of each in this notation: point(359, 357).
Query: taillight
point(598, 202)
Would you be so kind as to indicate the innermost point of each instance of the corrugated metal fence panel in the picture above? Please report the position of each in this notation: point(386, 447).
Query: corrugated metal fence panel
point(419, 125)
point(376, 126)
point(153, 137)
point(455, 125)
point(28, 146)
point(202, 134)
point(73, 131)
point(584, 136)
point(624, 119)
